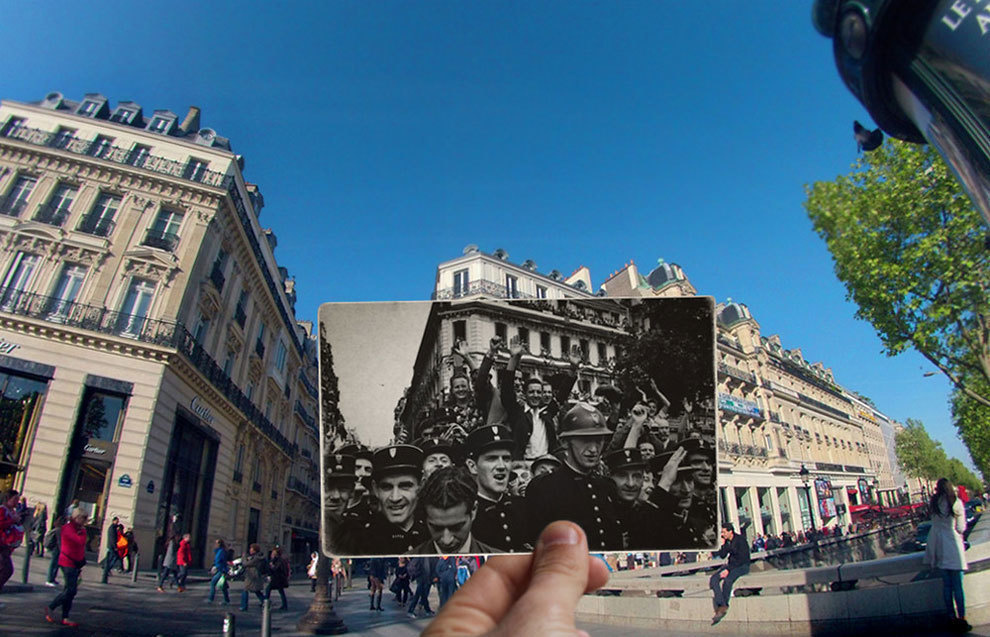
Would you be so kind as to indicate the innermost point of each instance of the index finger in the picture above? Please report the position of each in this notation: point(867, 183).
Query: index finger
point(484, 599)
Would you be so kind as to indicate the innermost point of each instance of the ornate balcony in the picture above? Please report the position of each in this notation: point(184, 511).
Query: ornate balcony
point(479, 287)
point(240, 316)
point(216, 276)
point(117, 155)
point(97, 226)
point(12, 206)
point(51, 214)
point(737, 373)
point(161, 240)
point(153, 331)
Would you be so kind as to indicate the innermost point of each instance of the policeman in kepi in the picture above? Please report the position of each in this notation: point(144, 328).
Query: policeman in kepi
point(643, 526)
point(396, 477)
point(573, 492)
point(343, 531)
point(500, 520)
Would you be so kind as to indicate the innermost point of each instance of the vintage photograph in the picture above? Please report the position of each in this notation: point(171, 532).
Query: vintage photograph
point(467, 426)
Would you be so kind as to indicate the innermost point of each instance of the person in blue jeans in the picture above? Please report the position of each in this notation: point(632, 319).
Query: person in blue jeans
point(255, 568)
point(54, 550)
point(736, 548)
point(221, 561)
point(446, 576)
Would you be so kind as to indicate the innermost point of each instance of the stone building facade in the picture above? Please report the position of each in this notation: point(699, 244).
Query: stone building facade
point(777, 412)
point(152, 364)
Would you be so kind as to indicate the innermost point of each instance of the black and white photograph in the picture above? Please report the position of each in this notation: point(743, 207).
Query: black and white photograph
point(466, 426)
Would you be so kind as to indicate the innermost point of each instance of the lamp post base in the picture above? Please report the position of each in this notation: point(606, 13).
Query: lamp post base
point(321, 619)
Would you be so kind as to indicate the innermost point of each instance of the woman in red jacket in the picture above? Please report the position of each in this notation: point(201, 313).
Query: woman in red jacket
point(72, 559)
point(182, 560)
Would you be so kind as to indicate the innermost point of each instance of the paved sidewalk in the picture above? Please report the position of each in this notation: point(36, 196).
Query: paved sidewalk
point(120, 609)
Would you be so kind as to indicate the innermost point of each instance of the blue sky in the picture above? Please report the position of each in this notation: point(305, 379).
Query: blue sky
point(385, 136)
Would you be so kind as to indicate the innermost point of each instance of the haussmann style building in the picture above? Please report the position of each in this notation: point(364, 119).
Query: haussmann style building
point(151, 364)
point(796, 449)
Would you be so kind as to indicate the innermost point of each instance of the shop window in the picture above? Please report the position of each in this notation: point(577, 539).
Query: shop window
point(20, 406)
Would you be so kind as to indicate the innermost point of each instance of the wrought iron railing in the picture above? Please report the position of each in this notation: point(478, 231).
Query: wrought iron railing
point(96, 225)
point(154, 331)
point(306, 418)
point(737, 373)
point(161, 240)
point(239, 315)
point(824, 407)
point(118, 155)
point(51, 214)
point(12, 206)
point(217, 277)
point(480, 286)
point(310, 388)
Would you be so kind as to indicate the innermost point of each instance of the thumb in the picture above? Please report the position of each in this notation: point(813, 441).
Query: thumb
point(558, 579)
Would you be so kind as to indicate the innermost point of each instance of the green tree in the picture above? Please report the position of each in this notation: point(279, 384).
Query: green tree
point(972, 419)
point(909, 247)
point(919, 456)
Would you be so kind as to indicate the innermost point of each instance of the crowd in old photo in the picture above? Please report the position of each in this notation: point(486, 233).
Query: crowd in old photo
point(487, 464)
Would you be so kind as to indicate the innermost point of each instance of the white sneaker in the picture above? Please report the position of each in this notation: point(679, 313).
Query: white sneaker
point(52, 584)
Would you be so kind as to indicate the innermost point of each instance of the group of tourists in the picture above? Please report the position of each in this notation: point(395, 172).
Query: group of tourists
point(262, 573)
point(472, 485)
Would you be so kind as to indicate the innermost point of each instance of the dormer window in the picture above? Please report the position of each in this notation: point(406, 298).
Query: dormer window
point(88, 108)
point(160, 124)
point(123, 115)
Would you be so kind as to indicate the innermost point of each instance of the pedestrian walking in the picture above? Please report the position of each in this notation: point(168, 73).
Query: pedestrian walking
point(131, 551)
point(39, 526)
point(446, 577)
point(401, 584)
point(311, 570)
point(421, 571)
point(221, 567)
point(735, 547)
point(72, 559)
point(11, 533)
point(169, 564)
point(113, 534)
point(946, 551)
point(255, 568)
point(53, 542)
point(376, 581)
point(279, 571)
point(182, 559)
point(339, 577)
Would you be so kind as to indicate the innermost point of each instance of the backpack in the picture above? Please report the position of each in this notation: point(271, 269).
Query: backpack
point(12, 536)
point(414, 568)
point(51, 539)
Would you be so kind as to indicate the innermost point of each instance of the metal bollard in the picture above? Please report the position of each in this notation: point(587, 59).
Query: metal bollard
point(266, 618)
point(230, 625)
point(134, 566)
point(27, 564)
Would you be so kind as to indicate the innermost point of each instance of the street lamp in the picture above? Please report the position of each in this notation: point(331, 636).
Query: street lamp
point(805, 476)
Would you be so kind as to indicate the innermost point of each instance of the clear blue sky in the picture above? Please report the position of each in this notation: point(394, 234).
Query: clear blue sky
point(385, 136)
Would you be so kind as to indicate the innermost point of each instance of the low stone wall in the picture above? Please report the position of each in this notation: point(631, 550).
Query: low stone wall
point(902, 608)
point(879, 605)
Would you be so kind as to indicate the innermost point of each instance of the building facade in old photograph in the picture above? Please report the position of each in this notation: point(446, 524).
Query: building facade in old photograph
point(796, 449)
point(152, 365)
